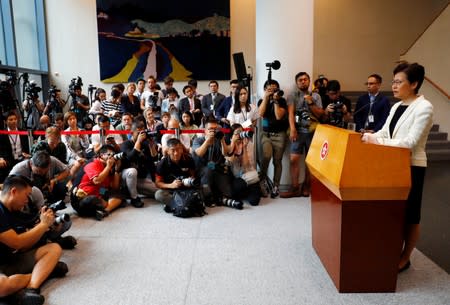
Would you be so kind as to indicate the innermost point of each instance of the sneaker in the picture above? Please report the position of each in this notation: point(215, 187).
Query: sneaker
point(60, 270)
point(137, 202)
point(100, 214)
point(275, 192)
point(293, 192)
point(66, 242)
point(29, 296)
point(264, 188)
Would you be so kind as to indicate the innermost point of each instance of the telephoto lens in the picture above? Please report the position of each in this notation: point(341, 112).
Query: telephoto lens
point(235, 204)
point(246, 134)
point(62, 218)
point(190, 182)
point(119, 156)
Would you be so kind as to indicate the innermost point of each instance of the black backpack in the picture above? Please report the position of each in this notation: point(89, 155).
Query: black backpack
point(186, 203)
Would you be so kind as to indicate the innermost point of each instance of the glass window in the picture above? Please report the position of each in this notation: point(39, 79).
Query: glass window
point(26, 34)
point(7, 56)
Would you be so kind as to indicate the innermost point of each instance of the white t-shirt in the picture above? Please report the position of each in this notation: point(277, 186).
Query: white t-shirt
point(244, 117)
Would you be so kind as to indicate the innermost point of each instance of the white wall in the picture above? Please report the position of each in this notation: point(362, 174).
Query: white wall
point(285, 35)
point(73, 41)
point(437, 66)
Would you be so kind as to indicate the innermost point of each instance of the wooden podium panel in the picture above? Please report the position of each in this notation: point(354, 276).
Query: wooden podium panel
point(358, 194)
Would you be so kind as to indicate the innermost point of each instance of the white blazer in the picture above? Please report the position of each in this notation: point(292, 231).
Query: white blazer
point(411, 130)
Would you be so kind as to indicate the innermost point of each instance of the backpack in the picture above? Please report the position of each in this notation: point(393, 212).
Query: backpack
point(186, 203)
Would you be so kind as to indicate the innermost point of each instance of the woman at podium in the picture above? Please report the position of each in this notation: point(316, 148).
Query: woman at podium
point(408, 125)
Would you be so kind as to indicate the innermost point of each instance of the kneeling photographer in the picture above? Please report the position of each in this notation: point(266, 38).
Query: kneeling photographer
point(48, 176)
point(245, 185)
point(209, 155)
point(138, 163)
point(176, 172)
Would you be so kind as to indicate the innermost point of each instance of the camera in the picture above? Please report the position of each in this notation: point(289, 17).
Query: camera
point(218, 134)
point(62, 218)
point(151, 134)
point(119, 156)
point(32, 90)
point(58, 205)
point(273, 65)
point(75, 82)
point(302, 118)
point(279, 93)
point(336, 117)
point(190, 181)
point(246, 134)
point(53, 90)
point(91, 88)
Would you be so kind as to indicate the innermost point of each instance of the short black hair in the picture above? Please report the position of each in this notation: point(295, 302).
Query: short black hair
point(301, 74)
point(414, 73)
point(173, 142)
point(41, 159)
point(269, 82)
point(377, 77)
point(17, 181)
point(333, 85)
point(105, 148)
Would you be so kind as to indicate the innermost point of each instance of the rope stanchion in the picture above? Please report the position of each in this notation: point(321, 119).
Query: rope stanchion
point(120, 132)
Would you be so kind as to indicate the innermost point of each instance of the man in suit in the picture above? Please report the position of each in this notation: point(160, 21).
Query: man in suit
point(223, 108)
point(192, 104)
point(372, 108)
point(15, 148)
point(212, 100)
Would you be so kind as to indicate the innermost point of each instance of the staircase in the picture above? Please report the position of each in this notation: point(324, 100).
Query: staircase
point(438, 145)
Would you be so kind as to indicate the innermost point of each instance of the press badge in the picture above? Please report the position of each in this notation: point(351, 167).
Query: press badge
point(371, 119)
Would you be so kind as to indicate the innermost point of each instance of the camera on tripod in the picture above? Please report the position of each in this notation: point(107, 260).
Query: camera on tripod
point(74, 84)
point(32, 90)
point(91, 88)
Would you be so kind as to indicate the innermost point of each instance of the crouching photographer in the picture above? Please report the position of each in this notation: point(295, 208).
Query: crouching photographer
point(209, 155)
point(245, 185)
point(175, 176)
point(23, 267)
point(48, 176)
point(138, 163)
point(97, 193)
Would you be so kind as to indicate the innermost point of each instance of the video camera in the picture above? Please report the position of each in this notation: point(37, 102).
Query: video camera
point(75, 82)
point(32, 90)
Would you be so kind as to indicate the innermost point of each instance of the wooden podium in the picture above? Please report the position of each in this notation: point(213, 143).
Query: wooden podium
point(358, 195)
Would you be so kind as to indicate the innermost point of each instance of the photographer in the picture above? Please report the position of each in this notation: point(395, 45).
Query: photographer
point(305, 111)
point(209, 155)
point(47, 175)
point(172, 170)
point(80, 103)
point(23, 270)
point(55, 103)
point(337, 107)
point(138, 163)
point(32, 106)
point(273, 111)
point(102, 138)
point(245, 184)
point(98, 194)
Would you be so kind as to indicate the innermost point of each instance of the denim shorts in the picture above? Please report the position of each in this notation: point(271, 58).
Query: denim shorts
point(302, 144)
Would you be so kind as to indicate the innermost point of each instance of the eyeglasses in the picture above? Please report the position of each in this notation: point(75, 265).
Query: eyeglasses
point(397, 82)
